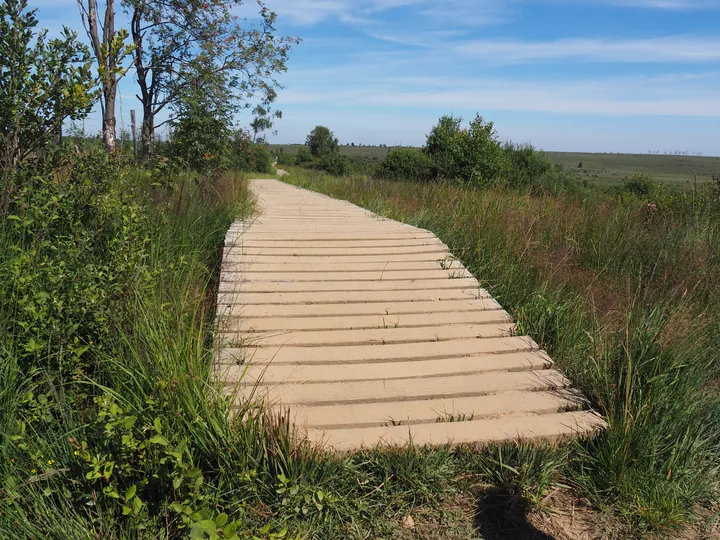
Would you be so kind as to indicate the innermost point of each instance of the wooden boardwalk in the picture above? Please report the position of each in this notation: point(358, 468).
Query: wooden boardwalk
point(369, 331)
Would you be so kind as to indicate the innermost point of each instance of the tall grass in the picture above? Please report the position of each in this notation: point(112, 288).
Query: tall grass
point(625, 297)
point(133, 439)
point(122, 433)
point(150, 376)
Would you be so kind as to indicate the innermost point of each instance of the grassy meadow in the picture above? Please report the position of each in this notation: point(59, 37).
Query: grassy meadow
point(625, 297)
point(613, 169)
point(112, 427)
point(604, 169)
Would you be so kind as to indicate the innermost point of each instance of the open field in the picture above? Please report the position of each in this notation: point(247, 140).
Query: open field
point(612, 169)
point(603, 169)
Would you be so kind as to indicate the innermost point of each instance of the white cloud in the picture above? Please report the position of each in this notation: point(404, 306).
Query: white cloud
point(684, 94)
point(662, 49)
point(456, 12)
point(681, 5)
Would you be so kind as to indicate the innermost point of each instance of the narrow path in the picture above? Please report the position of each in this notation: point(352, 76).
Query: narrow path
point(370, 331)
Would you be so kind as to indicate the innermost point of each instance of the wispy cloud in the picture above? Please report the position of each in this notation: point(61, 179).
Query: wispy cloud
point(684, 94)
point(456, 12)
point(678, 5)
point(663, 49)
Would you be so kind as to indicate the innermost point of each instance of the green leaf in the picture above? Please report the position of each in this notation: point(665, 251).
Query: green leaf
point(33, 346)
point(157, 425)
point(137, 504)
point(232, 528)
point(159, 439)
point(130, 493)
point(207, 526)
point(126, 510)
point(221, 519)
point(177, 481)
point(177, 507)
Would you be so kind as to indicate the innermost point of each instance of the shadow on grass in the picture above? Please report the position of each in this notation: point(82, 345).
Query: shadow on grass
point(503, 515)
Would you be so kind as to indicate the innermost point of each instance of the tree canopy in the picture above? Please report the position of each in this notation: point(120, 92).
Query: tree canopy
point(321, 141)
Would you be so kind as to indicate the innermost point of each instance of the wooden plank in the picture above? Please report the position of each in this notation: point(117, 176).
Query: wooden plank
point(327, 286)
point(375, 336)
point(548, 426)
point(512, 403)
point(378, 353)
point(354, 322)
point(465, 385)
point(371, 308)
point(371, 331)
point(345, 297)
point(270, 374)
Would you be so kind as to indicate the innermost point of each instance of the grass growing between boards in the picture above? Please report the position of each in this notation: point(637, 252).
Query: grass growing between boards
point(624, 295)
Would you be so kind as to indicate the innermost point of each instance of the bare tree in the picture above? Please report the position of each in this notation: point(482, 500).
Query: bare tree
point(110, 50)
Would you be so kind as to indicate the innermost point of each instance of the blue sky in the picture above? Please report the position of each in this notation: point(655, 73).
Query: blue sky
point(574, 75)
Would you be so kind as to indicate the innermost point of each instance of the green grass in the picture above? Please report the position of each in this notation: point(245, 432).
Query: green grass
point(601, 169)
point(613, 169)
point(626, 302)
point(111, 425)
point(122, 434)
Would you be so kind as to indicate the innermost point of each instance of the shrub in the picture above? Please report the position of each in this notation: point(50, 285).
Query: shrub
point(639, 184)
point(473, 154)
point(528, 166)
point(444, 146)
point(405, 164)
point(643, 186)
point(249, 156)
point(74, 243)
point(483, 162)
point(334, 163)
point(263, 159)
point(200, 138)
point(304, 157)
point(287, 159)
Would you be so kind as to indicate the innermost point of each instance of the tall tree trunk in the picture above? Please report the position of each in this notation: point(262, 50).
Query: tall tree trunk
point(109, 122)
point(107, 63)
point(148, 129)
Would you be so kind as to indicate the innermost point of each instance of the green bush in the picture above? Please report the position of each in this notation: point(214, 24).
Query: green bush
point(200, 139)
point(640, 184)
point(334, 163)
point(249, 156)
point(304, 158)
point(405, 164)
point(444, 146)
point(72, 245)
point(483, 160)
point(528, 166)
point(473, 154)
point(287, 159)
point(643, 186)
